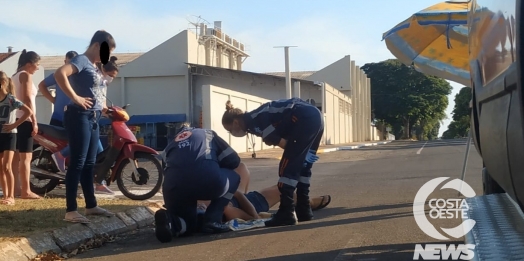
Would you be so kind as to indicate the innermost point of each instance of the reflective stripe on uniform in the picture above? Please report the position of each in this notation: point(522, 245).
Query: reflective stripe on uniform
point(270, 109)
point(267, 131)
point(304, 180)
point(225, 153)
point(207, 144)
point(183, 226)
point(288, 181)
point(228, 196)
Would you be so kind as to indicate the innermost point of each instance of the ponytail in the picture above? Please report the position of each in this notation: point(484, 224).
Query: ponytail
point(10, 87)
point(27, 57)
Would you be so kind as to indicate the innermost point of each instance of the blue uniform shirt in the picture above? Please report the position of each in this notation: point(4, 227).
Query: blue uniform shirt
point(86, 83)
point(192, 145)
point(61, 99)
point(272, 121)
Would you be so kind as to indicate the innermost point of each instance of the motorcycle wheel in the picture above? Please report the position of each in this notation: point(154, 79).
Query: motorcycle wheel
point(142, 173)
point(45, 185)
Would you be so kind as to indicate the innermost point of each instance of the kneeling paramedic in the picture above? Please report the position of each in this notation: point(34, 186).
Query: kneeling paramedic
point(297, 127)
point(199, 165)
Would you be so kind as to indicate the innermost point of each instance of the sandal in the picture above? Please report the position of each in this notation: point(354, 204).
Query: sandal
point(323, 202)
point(98, 211)
point(78, 219)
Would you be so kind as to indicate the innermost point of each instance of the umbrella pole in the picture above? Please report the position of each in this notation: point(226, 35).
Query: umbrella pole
point(465, 161)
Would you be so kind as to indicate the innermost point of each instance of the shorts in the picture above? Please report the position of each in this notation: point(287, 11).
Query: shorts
point(7, 142)
point(257, 199)
point(24, 140)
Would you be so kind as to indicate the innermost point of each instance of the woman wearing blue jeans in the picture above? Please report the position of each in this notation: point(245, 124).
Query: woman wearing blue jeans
point(81, 122)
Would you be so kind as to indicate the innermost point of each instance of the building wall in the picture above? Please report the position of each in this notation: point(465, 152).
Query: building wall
point(214, 99)
point(196, 51)
point(337, 123)
point(44, 108)
point(212, 93)
point(167, 59)
point(265, 87)
point(336, 74)
point(114, 91)
point(10, 65)
point(349, 79)
point(153, 95)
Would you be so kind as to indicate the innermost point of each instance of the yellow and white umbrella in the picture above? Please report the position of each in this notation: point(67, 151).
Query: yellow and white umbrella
point(435, 41)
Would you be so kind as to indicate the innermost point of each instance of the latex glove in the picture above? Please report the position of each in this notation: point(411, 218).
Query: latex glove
point(311, 158)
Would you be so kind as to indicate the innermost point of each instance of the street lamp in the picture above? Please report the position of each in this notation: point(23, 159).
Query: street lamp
point(288, 73)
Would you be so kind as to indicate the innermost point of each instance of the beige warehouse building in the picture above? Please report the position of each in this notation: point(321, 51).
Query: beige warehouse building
point(190, 76)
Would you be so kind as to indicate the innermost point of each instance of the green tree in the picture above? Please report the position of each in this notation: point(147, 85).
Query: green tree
point(459, 126)
point(406, 99)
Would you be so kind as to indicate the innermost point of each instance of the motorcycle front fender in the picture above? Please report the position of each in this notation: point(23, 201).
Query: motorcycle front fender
point(129, 150)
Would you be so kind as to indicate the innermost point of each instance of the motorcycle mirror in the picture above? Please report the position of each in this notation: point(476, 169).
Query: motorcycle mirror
point(110, 101)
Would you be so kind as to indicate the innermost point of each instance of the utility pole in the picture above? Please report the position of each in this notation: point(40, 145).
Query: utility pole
point(288, 73)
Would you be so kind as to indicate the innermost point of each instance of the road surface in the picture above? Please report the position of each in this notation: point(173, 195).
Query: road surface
point(369, 218)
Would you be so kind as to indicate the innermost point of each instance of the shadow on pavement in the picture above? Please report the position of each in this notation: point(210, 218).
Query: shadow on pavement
point(147, 240)
point(392, 252)
point(418, 145)
point(316, 256)
point(335, 211)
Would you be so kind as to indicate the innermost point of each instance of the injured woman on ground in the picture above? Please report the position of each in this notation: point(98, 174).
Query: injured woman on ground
point(255, 204)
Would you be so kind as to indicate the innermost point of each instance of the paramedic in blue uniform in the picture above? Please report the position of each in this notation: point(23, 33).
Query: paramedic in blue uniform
point(297, 127)
point(199, 165)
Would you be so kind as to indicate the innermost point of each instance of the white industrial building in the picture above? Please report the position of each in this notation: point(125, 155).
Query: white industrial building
point(190, 77)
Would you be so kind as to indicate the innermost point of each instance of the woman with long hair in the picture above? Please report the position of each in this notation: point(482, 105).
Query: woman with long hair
point(26, 92)
point(8, 108)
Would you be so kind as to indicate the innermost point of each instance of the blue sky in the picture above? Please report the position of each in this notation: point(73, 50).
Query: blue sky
point(324, 31)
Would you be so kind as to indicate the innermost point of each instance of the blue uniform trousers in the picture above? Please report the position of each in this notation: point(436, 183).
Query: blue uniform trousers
point(204, 181)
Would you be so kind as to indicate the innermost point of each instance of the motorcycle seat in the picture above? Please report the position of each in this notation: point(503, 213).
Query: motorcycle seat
point(52, 131)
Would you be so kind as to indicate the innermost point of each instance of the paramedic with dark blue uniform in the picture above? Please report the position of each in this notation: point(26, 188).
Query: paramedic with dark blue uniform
point(199, 165)
point(297, 127)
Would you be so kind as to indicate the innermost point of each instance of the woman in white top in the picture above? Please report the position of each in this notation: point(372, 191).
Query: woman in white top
point(25, 91)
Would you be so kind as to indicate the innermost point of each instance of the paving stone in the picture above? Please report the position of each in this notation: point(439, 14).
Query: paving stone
point(111, 226)
point(129, 222)
point(141, 216)
point(38, 244)
point(9, 251)
point(71, 237)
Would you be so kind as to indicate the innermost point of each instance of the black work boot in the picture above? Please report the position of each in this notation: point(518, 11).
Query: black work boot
point(285, 215)
point(167, 226)
point(303, 208)
point(163, 226)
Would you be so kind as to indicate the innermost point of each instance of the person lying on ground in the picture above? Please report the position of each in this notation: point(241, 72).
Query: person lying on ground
point(248, 205)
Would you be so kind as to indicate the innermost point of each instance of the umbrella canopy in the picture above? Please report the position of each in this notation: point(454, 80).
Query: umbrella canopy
point(435, 41)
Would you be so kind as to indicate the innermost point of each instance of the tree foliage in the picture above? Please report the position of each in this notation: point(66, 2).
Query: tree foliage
point(407, 100)
point(459, 127)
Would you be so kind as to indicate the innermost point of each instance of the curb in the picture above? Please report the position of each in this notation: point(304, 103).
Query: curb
point(354, 147)
point(68, 239)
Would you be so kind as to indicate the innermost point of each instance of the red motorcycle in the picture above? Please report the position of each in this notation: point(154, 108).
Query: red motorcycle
point(123, 152)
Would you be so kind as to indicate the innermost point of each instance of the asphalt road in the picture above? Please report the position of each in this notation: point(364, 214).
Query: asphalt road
point(369, 218)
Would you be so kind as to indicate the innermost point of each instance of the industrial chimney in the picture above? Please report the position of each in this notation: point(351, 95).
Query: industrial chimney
point(9, 49)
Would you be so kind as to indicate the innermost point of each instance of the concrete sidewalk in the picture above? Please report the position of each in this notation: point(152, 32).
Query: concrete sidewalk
point(276, 153)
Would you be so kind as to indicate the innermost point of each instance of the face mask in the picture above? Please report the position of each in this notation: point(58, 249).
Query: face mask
point(108, 79)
